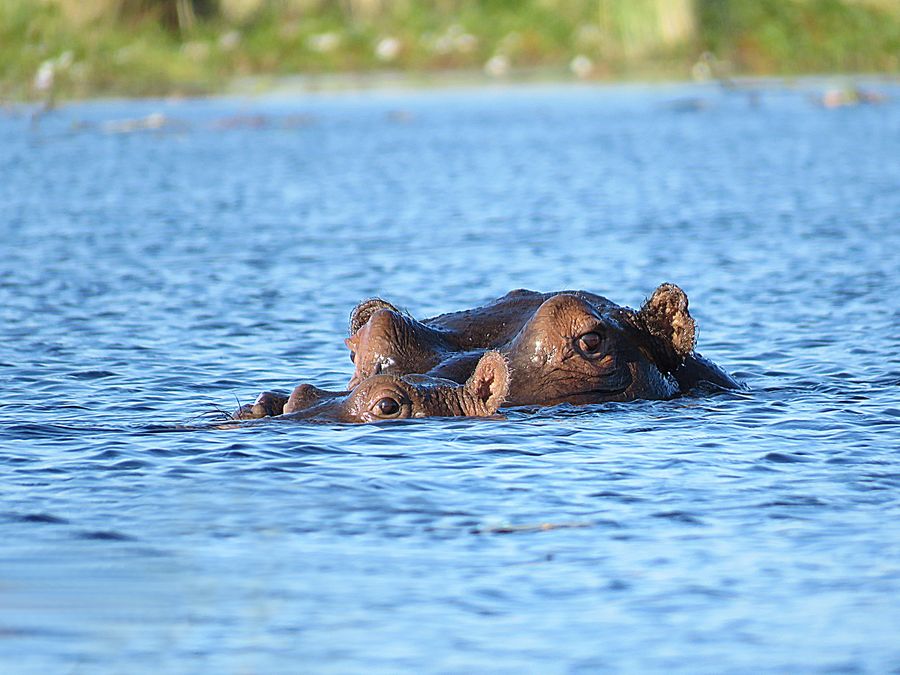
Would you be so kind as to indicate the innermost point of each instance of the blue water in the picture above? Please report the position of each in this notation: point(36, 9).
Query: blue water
point(149, 275)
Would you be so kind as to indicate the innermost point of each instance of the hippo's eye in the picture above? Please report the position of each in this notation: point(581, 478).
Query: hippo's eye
point(387, 407)
point(352, 357)
point(590, 343)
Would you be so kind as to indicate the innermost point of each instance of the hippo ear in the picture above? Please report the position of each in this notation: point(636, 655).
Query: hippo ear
point(365, 309)
point(489, 384)
point(665, 316)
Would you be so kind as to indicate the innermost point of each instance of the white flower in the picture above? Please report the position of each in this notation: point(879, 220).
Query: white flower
point(581, 66)
point(454, 39)
point(497, 66)
point(43, 78)
point(324, 42)
point(387, 49)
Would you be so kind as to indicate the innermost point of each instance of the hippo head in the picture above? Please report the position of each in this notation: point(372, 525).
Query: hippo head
point(571, 351)
point(386, 397)
point(572, 348)
point(384, 340)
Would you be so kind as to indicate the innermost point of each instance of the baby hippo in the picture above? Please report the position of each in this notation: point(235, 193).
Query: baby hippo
point(387, 397)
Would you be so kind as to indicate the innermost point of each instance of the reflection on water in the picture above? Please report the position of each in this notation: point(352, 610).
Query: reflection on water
point(151, 273)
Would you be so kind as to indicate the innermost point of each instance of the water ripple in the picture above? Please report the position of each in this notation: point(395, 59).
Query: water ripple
point(151, 281)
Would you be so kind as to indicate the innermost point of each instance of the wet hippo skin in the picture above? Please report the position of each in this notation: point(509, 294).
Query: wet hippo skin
point(386, 397)
point(569, 346)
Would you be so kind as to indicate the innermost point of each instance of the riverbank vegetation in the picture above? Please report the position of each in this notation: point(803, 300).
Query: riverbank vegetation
point(77, 48)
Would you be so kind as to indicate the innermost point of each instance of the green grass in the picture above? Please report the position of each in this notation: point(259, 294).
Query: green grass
point(781, 37)
point(106, 58)
point(139, 47)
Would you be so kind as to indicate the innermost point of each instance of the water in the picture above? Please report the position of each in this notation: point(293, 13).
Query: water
point(149, 275)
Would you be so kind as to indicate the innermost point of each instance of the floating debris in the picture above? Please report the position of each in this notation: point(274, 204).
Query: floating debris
point(536, 527)
point(850, 96)
point(158, 121)
point(298, 120)
point(151, 122)
point(241, 122)
point(400, 116)
point(688, 105)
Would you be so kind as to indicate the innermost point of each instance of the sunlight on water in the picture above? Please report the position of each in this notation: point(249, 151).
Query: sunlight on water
point(151, 274)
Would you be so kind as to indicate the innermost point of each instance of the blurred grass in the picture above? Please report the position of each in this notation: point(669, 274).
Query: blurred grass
point(781, 37)
point(154, 47)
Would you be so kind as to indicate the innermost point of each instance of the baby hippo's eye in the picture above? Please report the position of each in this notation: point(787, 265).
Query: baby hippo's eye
point(590, 343)
point(387, 407)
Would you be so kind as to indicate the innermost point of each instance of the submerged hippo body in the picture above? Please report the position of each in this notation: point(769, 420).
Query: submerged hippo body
point(386, 397)
point(565, 347)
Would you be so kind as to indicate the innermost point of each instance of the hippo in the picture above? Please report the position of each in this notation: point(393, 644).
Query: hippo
point(563, 347)
point(386, 397)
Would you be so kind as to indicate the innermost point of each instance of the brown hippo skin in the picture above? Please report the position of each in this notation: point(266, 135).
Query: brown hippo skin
point(566, 347)
point(386, 397)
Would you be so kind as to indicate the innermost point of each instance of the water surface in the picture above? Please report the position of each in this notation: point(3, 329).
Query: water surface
point(150, 274)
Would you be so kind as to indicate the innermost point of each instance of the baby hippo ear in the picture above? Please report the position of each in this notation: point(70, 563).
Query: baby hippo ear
point(489, 384)
point(665, 315)
point(361, 313)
